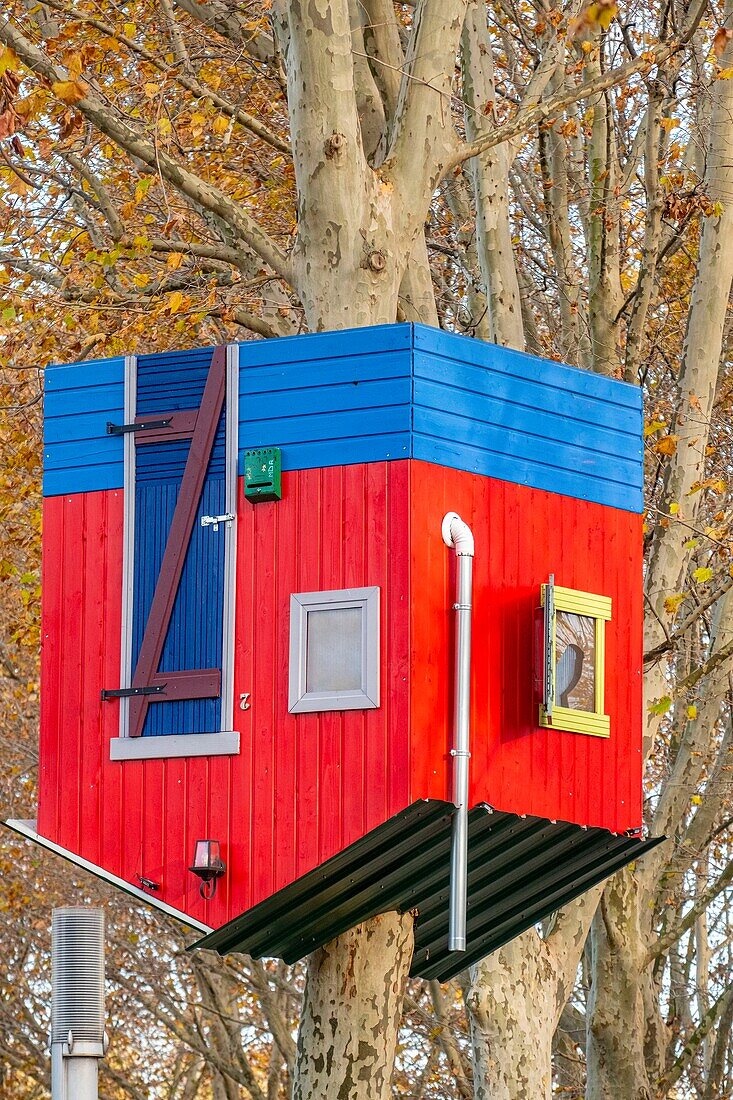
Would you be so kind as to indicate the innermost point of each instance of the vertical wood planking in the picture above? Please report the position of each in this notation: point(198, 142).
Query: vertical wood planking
point(396, 650)
point(242, 775)
point(522, 535)
point(81, 640)
point(358, 733)
point(304, 785)
point(307, 576)
point(369, 519)
point(72, 624)
point(264, 695)
point(111, 805)
point(331, 575)
point(52, 565)
point(286, 742)
point(318, 780)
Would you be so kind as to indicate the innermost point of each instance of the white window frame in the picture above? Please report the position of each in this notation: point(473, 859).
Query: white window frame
point(226, 741)
point(366, 697)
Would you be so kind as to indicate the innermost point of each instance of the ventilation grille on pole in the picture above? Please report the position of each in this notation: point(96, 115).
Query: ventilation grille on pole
point(77, 975)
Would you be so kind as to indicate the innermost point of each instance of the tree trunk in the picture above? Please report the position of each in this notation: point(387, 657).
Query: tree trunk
point(699, 375)
point(615, 1049)
point(515, 1000)
point(490, 178)
point(511, 1013)
point(624, 1025)
point(351, 1012)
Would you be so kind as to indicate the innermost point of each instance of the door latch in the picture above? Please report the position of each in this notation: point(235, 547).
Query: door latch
point(214, 521)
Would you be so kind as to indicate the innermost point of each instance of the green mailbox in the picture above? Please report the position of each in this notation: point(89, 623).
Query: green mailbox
point(262, 474)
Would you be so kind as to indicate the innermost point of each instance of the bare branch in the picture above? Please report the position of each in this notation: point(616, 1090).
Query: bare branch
point(717, 658)
point(721, 1006)
point(525, 119)
point(663, 943)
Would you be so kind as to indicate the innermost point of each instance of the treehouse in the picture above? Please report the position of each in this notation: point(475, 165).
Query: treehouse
point(250, 659)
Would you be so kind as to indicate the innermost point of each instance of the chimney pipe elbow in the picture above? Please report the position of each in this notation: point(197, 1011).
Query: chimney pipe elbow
point(458, 535)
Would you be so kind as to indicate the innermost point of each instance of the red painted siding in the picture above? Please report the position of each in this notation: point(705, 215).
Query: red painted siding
point(303, 786)
point(333, 776)
point(522, 535)
point(80, 655)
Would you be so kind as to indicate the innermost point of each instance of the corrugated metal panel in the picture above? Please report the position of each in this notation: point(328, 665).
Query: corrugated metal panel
point(523, 535)
point(498, 412)
point(520, 870)
point(166, 383)
point(78, 454)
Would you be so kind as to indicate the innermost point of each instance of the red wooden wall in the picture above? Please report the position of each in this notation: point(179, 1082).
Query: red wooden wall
point(303, 786)
point(522, 535)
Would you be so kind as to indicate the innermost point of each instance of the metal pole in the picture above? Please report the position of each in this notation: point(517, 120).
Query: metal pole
point(456, 533)
point(77, 1002)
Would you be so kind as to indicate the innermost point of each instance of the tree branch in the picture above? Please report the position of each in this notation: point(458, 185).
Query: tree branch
point(423, 136)
point(220, 17)
point(673, 1074)
point(687, 622)
point(107, 119)
point(104, 200)
point(663, 943)
point(535, 115)
point(448, 1045)
point(185, 79)
point(697, 674)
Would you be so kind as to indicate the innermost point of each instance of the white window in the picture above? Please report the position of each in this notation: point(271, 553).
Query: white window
point(334, 650)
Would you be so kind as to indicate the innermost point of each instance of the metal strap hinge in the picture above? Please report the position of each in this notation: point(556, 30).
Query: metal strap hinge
point(143, 426)
point(127, 693)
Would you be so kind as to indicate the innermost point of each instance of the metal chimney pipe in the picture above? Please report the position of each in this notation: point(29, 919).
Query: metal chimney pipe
point(458, 534)
point(77, 1002)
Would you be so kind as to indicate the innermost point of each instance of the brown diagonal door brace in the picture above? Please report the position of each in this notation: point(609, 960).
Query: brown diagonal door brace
point(197, 683)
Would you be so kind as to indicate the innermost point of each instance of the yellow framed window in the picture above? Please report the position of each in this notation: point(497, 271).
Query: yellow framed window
point(574, 660)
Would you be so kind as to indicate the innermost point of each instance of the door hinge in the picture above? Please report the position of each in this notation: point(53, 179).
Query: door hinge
point(142, 426)
point(128, 693)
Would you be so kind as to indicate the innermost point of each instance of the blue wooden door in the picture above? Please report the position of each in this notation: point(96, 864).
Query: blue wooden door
point(179, 562)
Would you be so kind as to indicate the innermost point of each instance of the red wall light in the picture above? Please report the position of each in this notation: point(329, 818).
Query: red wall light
point(208, 865)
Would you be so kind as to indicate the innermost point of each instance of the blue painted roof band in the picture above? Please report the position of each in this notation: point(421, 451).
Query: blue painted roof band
point(317, 346)
point(79, 400)
point(377, 394)
point(518, 363)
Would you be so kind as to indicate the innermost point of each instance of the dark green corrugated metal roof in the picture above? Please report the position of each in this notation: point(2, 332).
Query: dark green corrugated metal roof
point(520, 870)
